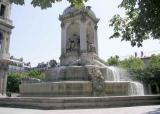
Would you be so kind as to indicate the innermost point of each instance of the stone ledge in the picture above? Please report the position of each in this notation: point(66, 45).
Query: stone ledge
point(78, 102)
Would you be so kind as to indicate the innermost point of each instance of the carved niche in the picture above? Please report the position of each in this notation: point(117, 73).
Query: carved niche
point(73, 43)
point(90, 45)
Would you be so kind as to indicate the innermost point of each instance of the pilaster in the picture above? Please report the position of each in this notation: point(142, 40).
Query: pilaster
point(63, 39)
point(3, 77)
point(96, 38)
point(83, 39)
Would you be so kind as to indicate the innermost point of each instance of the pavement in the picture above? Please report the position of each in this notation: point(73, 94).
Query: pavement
point(124, 110)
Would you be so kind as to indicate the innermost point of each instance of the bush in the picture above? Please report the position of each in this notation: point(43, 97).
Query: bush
point(36, 74)
point(14, 79)
point(151, 73)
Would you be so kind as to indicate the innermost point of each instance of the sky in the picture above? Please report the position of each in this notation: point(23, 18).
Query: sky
point(37, 33)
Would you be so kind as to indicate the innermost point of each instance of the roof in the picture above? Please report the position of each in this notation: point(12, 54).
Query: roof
point(72, 9)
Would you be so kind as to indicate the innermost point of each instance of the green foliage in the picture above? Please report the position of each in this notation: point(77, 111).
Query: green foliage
point(141, 21)
point(154, 62)
point(132, 63)
point(113, 61)
point(36, 74)
point(14, 79)
point(148, 75)
point(49, 3)
point(151, 73)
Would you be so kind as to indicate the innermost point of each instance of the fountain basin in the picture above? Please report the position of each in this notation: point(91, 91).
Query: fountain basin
point(123, 88)
point(77, 88)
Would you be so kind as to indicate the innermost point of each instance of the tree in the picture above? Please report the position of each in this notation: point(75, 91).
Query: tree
point(14, 79)
point(141, 21)
point(151, 73)
point(48, 3)
point(132, 63)
point(154, 61)
point(113, 61)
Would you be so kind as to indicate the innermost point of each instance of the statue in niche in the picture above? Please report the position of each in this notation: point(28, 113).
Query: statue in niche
point(73, 43)
point(90, 45)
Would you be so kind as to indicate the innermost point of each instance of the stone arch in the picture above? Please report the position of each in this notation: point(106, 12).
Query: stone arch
point(73, 28)
point(90, 32)
point(73, 37)
point(90, 36)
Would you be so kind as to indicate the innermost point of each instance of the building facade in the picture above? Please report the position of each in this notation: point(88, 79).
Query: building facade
point(5, 32)
point(18, 65)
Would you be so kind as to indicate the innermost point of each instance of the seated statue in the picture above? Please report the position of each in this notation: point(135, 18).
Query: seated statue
point(91, 47)
point(73, 44)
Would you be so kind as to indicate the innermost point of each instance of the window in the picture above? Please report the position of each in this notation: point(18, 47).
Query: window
point(2, 10)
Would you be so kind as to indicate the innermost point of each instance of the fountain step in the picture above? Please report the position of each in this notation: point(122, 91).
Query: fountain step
point(78, 102)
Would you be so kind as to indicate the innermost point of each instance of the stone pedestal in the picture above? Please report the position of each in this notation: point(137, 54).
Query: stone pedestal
point(3, 76)
point(5, 32)
point(3, 82)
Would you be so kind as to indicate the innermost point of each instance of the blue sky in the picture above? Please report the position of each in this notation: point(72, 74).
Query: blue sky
point(37, 33)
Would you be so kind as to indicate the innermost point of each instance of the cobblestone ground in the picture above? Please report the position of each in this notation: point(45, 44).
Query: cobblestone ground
point(124, 110)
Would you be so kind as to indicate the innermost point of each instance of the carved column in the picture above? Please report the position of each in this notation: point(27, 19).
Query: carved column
point(3, 43)
point(63, 39)
point(8, 43)
point(83, 39)
point(96, 38)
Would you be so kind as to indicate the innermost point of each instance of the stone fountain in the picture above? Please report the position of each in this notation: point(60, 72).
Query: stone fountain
point(81, 72)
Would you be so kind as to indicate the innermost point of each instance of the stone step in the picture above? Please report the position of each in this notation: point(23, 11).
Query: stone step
point(79, 102)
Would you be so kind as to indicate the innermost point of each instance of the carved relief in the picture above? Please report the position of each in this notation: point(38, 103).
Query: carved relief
point(97, 80)
point(90, 45)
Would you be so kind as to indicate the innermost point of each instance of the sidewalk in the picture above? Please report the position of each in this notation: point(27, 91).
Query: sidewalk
point(124, 110)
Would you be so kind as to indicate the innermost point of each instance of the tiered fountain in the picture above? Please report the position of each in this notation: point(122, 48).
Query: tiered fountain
point(82, 72)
